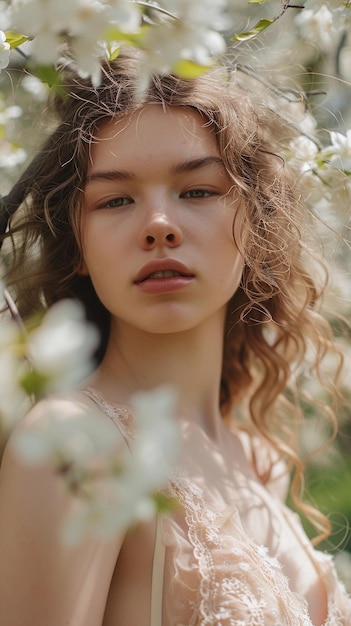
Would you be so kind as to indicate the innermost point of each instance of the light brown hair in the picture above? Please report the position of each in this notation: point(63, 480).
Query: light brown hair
point(272, 319)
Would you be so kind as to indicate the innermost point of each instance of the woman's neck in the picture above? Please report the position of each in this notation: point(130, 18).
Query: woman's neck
point(190, 361)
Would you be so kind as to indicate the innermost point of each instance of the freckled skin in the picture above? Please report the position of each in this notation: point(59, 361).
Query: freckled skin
point(158, 211)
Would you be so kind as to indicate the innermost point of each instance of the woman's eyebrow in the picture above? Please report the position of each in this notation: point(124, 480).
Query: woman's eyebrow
point(197, 163)
point(178, 168)
point(109, 175)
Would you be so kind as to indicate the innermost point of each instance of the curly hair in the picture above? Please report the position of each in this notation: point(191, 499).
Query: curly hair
point(272, 320)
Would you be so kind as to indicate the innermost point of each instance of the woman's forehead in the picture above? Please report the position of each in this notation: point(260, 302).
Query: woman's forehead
point(154, 131)
point(155, 117)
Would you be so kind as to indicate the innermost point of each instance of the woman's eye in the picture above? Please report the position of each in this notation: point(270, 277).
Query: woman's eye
point(115, 203)
point(198, 193)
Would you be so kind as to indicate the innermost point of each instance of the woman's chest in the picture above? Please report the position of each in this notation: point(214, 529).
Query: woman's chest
point(239, 540)
point(226, 539)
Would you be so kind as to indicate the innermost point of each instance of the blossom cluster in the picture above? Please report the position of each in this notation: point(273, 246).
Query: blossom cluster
point(176, 35)
point(324, 22)
point(11, 152)
point(54, 357)
point(169, 31)
point(113, 486)
point(4, 51)
point(324, 172)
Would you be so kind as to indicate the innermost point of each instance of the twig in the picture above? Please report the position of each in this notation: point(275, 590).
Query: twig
point(14, 312)
point(156, 7)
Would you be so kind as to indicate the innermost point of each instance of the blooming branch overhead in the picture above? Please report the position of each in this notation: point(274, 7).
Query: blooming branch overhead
point(186, 37)
point(177, 35)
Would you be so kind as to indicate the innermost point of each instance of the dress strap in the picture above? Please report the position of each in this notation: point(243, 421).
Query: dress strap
point(118, 413)
point(158, 566)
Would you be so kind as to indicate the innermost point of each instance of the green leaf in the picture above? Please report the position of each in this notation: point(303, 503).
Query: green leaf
point(50, 76)
point(164, 503)
point(113, 54)
point(15, 39)
point(34, 383)
point(47, 74)
point(258, 28)
point(189, 69)
point(114, 34)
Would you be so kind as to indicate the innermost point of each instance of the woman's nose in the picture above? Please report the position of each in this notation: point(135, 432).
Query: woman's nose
point(160, 231)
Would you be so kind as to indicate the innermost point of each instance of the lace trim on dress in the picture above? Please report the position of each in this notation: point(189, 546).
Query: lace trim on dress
point(337, 616)
point(239, 583)
point(120, 414)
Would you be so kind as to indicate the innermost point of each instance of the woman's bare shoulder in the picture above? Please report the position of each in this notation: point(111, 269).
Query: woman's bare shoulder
point(44, 580)
point(67, 406)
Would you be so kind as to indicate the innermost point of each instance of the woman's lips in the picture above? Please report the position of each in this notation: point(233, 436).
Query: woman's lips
point(160, 269)
point(163, 276)
point(166, 284)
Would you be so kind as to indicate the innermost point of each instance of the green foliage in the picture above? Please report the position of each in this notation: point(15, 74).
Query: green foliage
point(256, 30)
point(50, 76)
point(329, 489)
point(114, 34)
point(189, 69)
point(15, 39)
point(34, 383)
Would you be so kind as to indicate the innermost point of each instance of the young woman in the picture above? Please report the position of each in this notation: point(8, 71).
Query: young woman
point(171, 217)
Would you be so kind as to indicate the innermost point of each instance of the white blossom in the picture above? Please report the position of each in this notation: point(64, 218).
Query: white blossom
point(338, 188)
point(339, 152)
point(11, 155)
point(88, 59)
point(307, 123)
point(77, 441)
point(193, 35)
point(153, 413)
point(4, 51)
point(5, 20)
point(83, 22)
point(62, 346)
point(201, 13)
point(314, 191)
point(126, 15)
point(9, 113)
point(44, 47)
point(318, 26)
point(304, 150)
point(113, 485)
point(38, 16)
point(167, 44)
point(324, 172)
point(35, 87)
point(302, 157)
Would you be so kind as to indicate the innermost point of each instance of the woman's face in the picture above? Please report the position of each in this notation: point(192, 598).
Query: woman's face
point(157, 221)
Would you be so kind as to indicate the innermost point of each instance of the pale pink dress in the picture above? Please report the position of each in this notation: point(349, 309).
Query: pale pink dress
point(220, 565)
